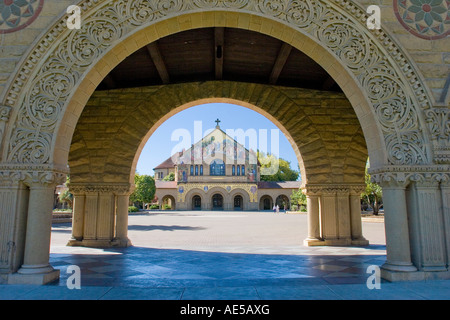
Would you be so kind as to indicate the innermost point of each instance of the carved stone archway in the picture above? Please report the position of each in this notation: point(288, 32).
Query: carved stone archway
point(407, 138)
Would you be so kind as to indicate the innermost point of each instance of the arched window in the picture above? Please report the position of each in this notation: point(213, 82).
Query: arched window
point(233, 170)
point(196, 170)
point(201, 169)
point(217, 168)
point(238, 170)
point(243, 170)
point(192, 170)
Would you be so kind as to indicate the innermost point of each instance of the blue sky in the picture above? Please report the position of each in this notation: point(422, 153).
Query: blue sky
point(160, 145)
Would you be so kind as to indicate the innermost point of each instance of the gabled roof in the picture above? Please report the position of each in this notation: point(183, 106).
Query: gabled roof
point(168, 163)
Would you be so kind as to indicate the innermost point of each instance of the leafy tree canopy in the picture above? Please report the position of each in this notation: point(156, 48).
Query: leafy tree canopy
point(284, 173)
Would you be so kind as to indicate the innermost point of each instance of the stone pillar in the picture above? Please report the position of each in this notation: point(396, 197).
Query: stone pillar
point(329, 215)
point(334, 215)
point(13, 213)
point(313, 209)
point(36, 268)
point(121, 236)
point(343, 215)
point(100, 215)
point(445, 204)
point(79, 201)
point(427, 234)
point(396, 225)
point(355, 216)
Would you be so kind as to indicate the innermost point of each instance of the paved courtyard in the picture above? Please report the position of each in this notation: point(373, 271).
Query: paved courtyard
point(222, 255)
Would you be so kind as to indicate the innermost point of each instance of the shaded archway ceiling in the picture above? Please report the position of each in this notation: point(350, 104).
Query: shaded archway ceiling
point(219, 54)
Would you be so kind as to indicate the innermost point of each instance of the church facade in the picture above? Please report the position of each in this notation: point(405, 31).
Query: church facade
point(219, 173)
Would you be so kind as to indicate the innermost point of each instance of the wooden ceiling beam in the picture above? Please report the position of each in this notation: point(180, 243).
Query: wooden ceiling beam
point(219, 35)
point(280, 61)
point(158, 60)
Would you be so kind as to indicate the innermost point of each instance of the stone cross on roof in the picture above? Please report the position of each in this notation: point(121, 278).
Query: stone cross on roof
point(217, 121)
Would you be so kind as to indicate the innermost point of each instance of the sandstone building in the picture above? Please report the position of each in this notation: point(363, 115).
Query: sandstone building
point(218, 173)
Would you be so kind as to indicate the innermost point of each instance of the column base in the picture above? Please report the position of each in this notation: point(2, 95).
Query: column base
point(360, 242)
point(116, 243)
point(395, 276)
point(334, 242)
point(398, 267)
point(34, 279)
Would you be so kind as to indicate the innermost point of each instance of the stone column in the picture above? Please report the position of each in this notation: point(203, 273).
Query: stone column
point(100, 215)
point(121, 237)
point(328, 215)
point(36, 268)
point(343, 215)
point(396, 223)
point(426, 223)
point(355, 216)
point(13, 213)
point(313, 209)
point(445, 203)
point(79, 201)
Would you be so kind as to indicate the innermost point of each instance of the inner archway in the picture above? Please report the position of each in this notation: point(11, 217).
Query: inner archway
point(196, 203)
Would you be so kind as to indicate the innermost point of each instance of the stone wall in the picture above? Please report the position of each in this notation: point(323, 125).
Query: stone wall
point(115, 124)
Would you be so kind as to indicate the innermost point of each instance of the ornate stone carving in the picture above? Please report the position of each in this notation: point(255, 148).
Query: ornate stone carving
point(401, 177)
point(333, 189)
point(41, 91)
point(5, 112)
point(117, 189)
point(438, 121)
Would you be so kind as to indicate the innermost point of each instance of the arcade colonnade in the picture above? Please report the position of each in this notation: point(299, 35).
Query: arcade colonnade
point(404, 128)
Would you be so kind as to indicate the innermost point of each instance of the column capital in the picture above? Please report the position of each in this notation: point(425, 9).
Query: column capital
point(401, 177)
point(117, 189)
point(31, 176)
point(333, 189)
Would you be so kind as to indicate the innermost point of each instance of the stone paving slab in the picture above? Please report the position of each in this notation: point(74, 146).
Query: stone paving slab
point(215, 256)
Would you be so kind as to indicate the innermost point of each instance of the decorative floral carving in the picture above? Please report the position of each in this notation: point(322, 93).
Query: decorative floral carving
point(438, 120)
point(43, 92)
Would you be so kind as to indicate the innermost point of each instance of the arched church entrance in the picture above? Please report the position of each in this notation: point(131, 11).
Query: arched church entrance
point(238, 202)
point(196, 203)
point(283, 202)
point(57, 115)
point(266, 203)
point(217, 201)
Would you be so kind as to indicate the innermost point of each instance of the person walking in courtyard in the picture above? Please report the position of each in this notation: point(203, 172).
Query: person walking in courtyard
point(274, 209)
point(278, 209)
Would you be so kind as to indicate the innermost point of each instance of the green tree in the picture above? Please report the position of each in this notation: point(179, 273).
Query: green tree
point(284, 173)
point(373, 194)
point(170, 177)
point(144, 192)
point(299, 198)
point(66, 196)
